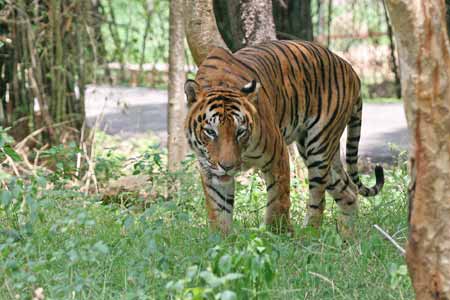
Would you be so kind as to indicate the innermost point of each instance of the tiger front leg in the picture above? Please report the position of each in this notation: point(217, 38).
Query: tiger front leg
point(219, 200)
point(277, 179)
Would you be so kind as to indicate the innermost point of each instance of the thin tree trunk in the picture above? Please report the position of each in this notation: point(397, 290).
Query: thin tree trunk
point(398, 86)
point(330, 13)
point(112, 25)
point(423, 47)
point(148, 7)
point(447, 5)
point(176, 112)
point(319, 13)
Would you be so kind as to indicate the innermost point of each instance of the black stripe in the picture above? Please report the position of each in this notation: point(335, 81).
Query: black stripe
point(222, 197)
point(210, 66)
point(351, 160)
point(254, 157)
point(318, 151)
point(330, 89)
point(351, 147)
point(271, 186)
point(323, 129)
point(230, 200)
point(353, 139)
point(214, 106)
point(316, 164)
point(317, 179)
point(272, 158)
point(222, 207)
point(333, 185)
point(307, 101)
point(260, 138)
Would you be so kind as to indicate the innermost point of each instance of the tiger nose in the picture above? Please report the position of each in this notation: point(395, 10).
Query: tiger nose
point(226, 167)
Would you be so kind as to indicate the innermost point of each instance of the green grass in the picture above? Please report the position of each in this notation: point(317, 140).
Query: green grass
point(75, 247)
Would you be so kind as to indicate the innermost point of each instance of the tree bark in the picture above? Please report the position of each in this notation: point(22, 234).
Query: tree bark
point(255, 22)
point(293, 17)
point(201, 29)
point(176, 112)
point(424, 53)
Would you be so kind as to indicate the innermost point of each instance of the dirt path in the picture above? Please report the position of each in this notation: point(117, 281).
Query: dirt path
point(133, 111)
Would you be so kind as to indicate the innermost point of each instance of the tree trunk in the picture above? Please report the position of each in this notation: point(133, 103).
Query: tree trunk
point(176, 142)
point(293, 17)
point(254, 21)
point(292, 20)
point(423, 46)
point(201, 29)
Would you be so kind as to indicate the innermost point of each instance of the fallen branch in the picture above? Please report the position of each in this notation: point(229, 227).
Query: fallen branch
point(327, 280)
point(12, 164)
point(90, 172)
point(23, 142)
point(77, 172)
point(390, 239)
point(5, 186)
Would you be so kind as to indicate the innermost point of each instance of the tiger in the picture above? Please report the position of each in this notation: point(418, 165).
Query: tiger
point(246, 107)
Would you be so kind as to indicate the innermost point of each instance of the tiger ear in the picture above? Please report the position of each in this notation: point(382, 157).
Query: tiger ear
point(191, 89)
point(251, 89)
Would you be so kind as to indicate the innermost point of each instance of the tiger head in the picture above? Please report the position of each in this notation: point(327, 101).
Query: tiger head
point(219, 126)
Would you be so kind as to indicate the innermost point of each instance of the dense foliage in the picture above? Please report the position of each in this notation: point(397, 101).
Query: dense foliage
point(60, 240)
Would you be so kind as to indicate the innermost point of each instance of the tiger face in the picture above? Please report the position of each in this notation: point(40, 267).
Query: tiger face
point(219, 126)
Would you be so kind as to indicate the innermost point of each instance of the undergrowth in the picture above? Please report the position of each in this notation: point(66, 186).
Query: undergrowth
point(59, 242)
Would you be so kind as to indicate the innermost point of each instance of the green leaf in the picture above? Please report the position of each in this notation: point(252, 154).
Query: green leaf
point(8, 150)
point(225, 263)
point(211, 279)
point(191, 272)
point(226, 295)
point(402, 270)
point(129, 221)
point(232, 276)
point(5, 198)
point(196, 293)
point(101, 247)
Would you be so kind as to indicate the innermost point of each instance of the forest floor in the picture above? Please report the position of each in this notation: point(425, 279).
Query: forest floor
point(131, 112)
